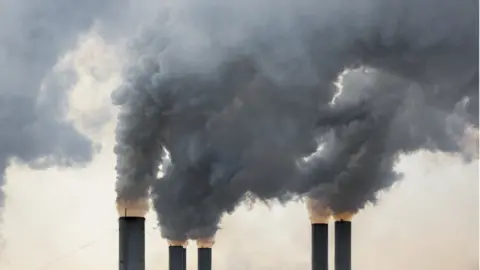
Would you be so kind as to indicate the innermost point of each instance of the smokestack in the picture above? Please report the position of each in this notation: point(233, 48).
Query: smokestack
point(319, 246)
point(131, 243)
point(343, 241)
point(131, 234)
point(177, 255)
point(205, 254)
point(319, 216)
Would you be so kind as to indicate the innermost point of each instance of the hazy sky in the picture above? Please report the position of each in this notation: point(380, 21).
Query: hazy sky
point(428, 221)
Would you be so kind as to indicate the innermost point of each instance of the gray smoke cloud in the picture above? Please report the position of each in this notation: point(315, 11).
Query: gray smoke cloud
point(243, 98)
point(33, 95)
point(399, 121)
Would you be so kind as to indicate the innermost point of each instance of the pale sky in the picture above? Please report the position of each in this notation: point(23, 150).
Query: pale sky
point(66, 218)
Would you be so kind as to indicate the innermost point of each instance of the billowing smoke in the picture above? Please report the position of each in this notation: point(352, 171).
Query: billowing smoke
point(318, 211)
point(34, 128)
point(278, 99)
point(34, 37)
point(399, 120)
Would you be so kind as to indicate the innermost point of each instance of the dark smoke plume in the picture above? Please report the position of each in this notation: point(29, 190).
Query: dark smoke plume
point(399, 121)
point(273, 100)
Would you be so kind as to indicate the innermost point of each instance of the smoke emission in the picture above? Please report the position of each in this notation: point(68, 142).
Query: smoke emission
point(279, 99)
point(132, 208)
point(318, 211)
point(205, 243)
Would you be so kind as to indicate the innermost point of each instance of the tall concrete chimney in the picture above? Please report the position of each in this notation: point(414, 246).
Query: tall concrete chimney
point(131, 243)
point(343, 242)
point(205, 254)
point(177, 255)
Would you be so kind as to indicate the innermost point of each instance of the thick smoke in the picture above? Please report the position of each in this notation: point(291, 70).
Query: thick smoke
point(399, 120)
point(34, 128)
point(244, 98)
point(33, 97)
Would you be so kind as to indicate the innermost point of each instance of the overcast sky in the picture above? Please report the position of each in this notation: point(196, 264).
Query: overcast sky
point(428, 221)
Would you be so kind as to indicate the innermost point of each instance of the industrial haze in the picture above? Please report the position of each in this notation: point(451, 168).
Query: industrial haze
point(427, 221)
point(239, 93)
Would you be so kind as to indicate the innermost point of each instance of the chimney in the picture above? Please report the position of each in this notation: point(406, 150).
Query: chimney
point(319, 246)
point(205, 254)
point(177, 253)
point(131, 233)
point(343, 242)
point(319, 215)
point(131, 243)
